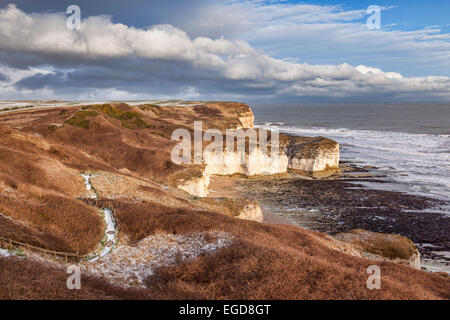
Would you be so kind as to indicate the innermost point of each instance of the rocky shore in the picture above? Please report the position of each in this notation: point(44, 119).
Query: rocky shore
point(340, 203)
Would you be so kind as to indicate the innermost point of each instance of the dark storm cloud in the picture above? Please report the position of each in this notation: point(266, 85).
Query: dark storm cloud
point(143, 77)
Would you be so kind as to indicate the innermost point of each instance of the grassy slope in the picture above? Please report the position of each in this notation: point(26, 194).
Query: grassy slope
point(39, 183)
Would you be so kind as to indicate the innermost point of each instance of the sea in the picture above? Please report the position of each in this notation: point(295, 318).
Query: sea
point(409, 143)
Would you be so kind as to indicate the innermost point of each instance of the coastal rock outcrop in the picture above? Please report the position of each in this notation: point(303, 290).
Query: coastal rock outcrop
point(297, 153)
point(312, 154)
point(240, 208)
point(381, 246)
point(249, 210)
point(193, 181)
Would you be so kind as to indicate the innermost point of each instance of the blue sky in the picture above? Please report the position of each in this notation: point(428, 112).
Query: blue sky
point(408, 14)
point(249, 50)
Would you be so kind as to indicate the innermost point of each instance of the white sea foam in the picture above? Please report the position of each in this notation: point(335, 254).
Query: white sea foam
point(416, 163)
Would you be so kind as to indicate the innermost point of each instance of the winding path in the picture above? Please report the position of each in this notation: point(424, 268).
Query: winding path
point(111, 225)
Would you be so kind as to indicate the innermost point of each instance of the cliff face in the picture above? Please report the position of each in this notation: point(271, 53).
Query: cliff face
point(303, 154)
point(256, 163)
point(247, 119)
point(298, 153)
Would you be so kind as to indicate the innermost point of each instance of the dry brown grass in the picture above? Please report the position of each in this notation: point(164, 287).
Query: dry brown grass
point(143, 150)
point(267, 262)
point(60, 223)
point(25, 279)
point(12, 229)
point(28, 161)
point(217, 115)
point(247, 270)
point(140, 219)
point(264, 262)
point(39, 192)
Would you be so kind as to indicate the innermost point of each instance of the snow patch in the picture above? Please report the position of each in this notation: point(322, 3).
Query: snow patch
point(5, 253)
point(110, 234)
point(129, 266)
point(87, 182)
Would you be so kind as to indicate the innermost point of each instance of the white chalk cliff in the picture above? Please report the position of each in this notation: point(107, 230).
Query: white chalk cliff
point(298, 153)
point(255, 163)
point(312, 154)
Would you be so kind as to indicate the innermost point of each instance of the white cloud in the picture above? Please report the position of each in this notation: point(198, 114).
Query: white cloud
point(325, 34)
point(101, 43)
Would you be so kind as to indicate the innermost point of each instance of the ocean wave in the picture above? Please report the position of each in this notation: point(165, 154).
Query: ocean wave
point(418, 163)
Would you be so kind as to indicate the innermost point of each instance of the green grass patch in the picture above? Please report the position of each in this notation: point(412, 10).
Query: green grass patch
point(129, 119)
point(88, 113)
point(79, 119)
point(150, 107)
point(19, 253)
point(78, 122)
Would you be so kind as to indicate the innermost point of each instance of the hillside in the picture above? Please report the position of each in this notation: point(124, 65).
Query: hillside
point(176, 237)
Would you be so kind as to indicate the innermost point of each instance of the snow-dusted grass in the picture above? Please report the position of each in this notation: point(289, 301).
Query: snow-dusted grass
point(129, 266)
point(4, 253)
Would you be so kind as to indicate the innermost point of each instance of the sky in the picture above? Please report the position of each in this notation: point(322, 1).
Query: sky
point(240, 50)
